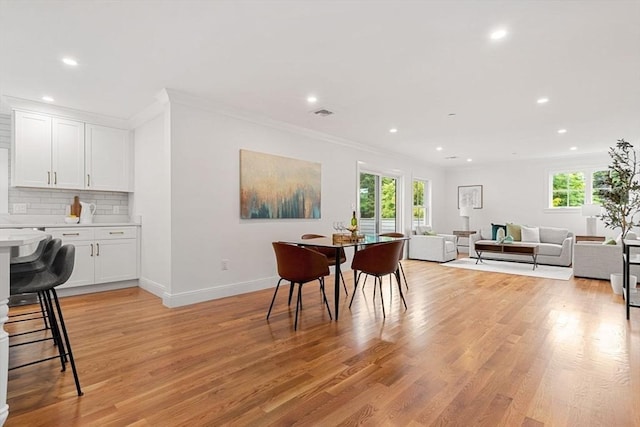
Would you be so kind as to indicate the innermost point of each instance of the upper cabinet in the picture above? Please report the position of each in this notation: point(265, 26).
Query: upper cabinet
point(53, 152)
point(108, 158)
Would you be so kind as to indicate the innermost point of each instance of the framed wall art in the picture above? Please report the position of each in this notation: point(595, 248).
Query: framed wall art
point(470, 195)
point(278, 187)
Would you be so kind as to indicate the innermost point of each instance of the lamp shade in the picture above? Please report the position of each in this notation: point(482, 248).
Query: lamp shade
point(466, 211)
point(591, 209)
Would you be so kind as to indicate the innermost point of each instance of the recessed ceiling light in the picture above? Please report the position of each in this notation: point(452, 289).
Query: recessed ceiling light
point(47, 98)
point(393, 130)
point(311, 99)
point(562, 131)
point(438, 148)
point(498, 34)
point(469, 160)
point(573, 148)
point(542, 100)
point(70, 61)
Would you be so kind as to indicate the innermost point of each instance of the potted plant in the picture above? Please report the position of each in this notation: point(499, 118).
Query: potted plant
point(620, 193)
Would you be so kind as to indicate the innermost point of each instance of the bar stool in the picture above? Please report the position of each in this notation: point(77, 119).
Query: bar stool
point(44, 284)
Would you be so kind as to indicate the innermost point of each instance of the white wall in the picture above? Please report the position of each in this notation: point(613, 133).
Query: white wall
point(517, 192)
point(205, 213)
point(152, 201)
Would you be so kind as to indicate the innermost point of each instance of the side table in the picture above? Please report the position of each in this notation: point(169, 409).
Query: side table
point(463, 240)
point(590, 239)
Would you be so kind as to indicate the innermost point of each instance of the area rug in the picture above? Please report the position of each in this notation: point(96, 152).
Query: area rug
point(518, 268)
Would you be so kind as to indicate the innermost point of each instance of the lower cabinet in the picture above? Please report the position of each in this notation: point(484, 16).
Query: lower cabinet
point(103, 254)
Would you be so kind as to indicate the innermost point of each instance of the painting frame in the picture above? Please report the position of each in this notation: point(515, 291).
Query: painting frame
point(278, 187)
point(470, 195)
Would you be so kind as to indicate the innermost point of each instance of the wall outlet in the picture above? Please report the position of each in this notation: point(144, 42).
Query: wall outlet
point(116, 210)
point(19, 208)
point(224, 264)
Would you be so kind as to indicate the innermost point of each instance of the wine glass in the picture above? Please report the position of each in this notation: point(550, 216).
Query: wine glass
point(336, 226)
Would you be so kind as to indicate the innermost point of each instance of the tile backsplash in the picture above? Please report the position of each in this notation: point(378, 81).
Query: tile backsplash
point(42, 201)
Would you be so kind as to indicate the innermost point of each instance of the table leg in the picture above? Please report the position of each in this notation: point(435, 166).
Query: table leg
point(535, 261)
point(336, 290)
point(479, 259)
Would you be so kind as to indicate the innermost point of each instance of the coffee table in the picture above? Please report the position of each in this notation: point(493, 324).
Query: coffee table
point(515, 248)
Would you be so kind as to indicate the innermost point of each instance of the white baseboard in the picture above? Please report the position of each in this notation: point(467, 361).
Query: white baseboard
point(152, 287)
point(206, 294)
point(101, 287)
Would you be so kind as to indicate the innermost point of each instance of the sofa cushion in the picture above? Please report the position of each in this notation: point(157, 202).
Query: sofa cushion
point(530, 234)
point(494, 230)
point(515, 231)
point(549, 249)
point(553, 235)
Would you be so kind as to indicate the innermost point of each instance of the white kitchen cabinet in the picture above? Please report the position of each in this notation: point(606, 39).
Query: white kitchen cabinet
point(47, 151)
point(108, 158)
point(103, 254)
point(54, 152)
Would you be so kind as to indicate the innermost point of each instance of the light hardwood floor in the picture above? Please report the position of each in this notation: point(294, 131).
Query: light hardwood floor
point(472, 349)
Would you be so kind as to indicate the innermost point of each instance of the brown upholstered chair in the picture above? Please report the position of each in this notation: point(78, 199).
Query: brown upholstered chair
point(406, 284)
point(330, 253)
point(378, 261)
point(299, 265)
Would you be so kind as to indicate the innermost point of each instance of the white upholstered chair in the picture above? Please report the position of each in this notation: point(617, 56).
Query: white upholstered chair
point(439, 247)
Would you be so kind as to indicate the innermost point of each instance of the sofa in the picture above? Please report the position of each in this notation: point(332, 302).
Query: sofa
point(595, 260)
point(555, 247)
point(427, 246)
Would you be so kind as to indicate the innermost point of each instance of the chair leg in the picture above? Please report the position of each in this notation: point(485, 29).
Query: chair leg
point(379, 282)
point(355, 286)
point(44, 315)
point(67, 342)
point(397, 274)
point(324, 295)
point(365, 282)
point(55, 329)
point(406, 284)
point(274, 298)
point(298, 305)
point(290, 292)
point(344, 285)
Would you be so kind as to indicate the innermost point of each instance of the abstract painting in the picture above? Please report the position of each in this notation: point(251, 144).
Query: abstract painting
point(278, 187)
point(470, 195)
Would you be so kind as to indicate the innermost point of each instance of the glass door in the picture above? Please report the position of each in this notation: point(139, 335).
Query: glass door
point(378, 203)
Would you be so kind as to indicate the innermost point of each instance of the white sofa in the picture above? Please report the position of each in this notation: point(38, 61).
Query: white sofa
point(439, 248)
point(597, 261)
point(555, 247)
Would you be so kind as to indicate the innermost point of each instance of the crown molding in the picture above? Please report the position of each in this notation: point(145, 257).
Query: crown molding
point(152, 111)
point(15, 103)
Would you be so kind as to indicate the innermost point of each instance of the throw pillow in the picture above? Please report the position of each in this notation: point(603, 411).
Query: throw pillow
point(422, 229)
point(530, 234)
point(609, 241)
point(514, 231)
point(494, 230)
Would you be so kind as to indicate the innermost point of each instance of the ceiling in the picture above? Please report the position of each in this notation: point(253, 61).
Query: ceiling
point(375, 64)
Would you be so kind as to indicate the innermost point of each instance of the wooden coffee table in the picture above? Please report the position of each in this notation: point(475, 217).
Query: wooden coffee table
point(515, 248)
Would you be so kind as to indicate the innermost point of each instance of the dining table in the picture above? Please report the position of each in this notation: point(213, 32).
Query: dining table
point(9, 238)
point(337, 245)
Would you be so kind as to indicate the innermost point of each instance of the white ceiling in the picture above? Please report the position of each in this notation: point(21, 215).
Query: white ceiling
point(375, 64)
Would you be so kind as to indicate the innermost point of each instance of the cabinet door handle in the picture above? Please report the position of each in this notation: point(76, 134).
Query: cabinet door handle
point(97, 249)
point(48, 178)
point(91, 249)
point(88, 180)
point(55, 178)
point(70, 234)
point(116, 232)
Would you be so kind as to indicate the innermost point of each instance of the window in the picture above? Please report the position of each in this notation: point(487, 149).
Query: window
point(572, 189)
point(378, 203)
point(421, 199)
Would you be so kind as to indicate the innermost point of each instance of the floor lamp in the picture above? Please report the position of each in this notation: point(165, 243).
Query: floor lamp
point(465, 213)
point(591, 211)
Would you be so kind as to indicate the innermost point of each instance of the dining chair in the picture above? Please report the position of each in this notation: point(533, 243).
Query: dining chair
point(299, 265)
point(378, 260)
point(44, 283)
point(406, 284)
point(330, 253)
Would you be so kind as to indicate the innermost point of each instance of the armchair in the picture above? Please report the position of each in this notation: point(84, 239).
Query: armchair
point(439, 248)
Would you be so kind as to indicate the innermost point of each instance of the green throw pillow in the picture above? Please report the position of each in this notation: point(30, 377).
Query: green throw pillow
point(514, 231)
point(430, 233)
point(609, 242)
